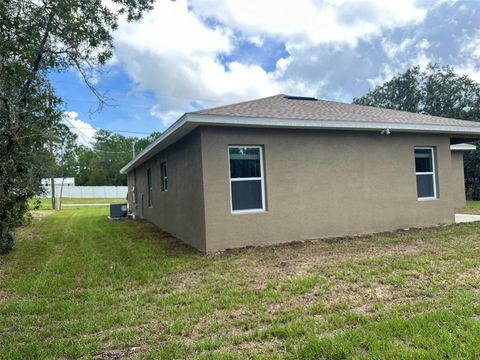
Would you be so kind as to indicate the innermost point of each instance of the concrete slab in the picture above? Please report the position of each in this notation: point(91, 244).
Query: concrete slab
point(464, 218)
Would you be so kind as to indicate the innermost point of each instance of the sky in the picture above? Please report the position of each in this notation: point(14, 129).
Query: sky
point(187, 55)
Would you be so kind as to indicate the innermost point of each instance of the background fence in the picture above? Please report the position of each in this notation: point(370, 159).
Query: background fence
point(90, 192)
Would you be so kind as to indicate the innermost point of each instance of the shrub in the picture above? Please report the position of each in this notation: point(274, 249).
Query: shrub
point(7, 240)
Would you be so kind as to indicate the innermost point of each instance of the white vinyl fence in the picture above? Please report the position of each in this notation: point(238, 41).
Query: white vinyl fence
point(90, 192)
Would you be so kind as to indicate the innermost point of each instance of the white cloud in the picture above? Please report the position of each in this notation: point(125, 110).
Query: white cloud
point(392, 49)
point(470, 45)
point(174, 53)
point(256, 40)
point(418, 47)
point(385, 74)
point(470, 55)
point(84, 131)
point(469, 69)
point(309, 20)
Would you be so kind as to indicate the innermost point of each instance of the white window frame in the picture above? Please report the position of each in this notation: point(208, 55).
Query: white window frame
point(432, 149)
point(261, 178)
point(164, 175)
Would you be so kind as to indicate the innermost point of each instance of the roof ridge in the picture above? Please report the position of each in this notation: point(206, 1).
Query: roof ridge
point(308, 110)
point(234, 104)
point(363, 106)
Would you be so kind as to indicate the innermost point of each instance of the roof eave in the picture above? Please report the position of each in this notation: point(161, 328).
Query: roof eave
point(190, 121)
point(366, 125)
point(462, 147)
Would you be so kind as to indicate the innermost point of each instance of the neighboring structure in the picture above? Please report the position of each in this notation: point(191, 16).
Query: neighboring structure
point(286, 168)
point(89, 192)
point(71, 191)
point(68, 181)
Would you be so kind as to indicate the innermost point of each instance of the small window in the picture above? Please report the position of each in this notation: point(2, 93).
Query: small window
point(163, 170)
point(135, 192)
point(246, 178)
point(150, 189)
point(425, 172)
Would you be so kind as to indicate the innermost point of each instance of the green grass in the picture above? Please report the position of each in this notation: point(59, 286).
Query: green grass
point(473, 204)
point(46, 203)
point(473, 207)
point(78, 285)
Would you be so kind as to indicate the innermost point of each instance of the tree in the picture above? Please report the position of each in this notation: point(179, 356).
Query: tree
point(101, 164)
point(113, 151)
point(38, 37)
point(402, 92)
point(142, 143)
point(62, 146)
point(437, 91)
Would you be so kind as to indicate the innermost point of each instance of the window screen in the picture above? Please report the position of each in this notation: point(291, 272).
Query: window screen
point(425, 173)
point(246, 178)
point(149, 185)
point(163, 170)
point(135, 191)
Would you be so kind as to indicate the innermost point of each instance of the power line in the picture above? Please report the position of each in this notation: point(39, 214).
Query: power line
point(81, 132)
point(93, 141)
point(192, 99)
point(112, 130)
point(112, 152)
point(90, 128)
point(91, 149)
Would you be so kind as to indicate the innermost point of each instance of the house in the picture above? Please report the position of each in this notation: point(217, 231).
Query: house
point(287, 168)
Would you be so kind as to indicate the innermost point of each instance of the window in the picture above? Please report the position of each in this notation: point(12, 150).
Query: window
point(246, 178)
point(133, 195)
point(425, 172)
point(135, 192)
point(150, 189)
point(163, 170)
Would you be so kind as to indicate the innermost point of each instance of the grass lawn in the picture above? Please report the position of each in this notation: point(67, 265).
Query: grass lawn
point(473, 207)
point(77, 285)
point(46, 203)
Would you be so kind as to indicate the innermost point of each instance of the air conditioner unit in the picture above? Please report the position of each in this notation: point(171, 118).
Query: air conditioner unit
point(118, 211)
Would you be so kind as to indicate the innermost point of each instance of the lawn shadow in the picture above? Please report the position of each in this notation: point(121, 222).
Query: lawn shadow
point(171, 244)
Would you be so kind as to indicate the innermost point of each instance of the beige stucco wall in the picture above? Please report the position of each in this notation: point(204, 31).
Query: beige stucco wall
point(322, 184)
point(179, 210)
point(458, 188)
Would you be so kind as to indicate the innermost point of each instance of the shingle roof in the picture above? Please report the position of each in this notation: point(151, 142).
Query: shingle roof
point(282, 111)
point(284, 107)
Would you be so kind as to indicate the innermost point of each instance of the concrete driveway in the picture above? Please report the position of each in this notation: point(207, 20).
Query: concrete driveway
point(464, 218)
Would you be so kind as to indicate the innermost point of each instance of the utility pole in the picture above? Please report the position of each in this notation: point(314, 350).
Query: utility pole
point(52, 179)
point(133, 148)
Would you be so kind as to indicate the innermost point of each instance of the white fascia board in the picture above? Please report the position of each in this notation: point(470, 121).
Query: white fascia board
point(190, 121)
point(462, 147)
point(330, 124)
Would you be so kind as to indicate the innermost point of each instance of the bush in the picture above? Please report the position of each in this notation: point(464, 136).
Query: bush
point(7, 240)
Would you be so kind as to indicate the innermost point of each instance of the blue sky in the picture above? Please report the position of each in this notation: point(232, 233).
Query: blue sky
point(186, 55)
